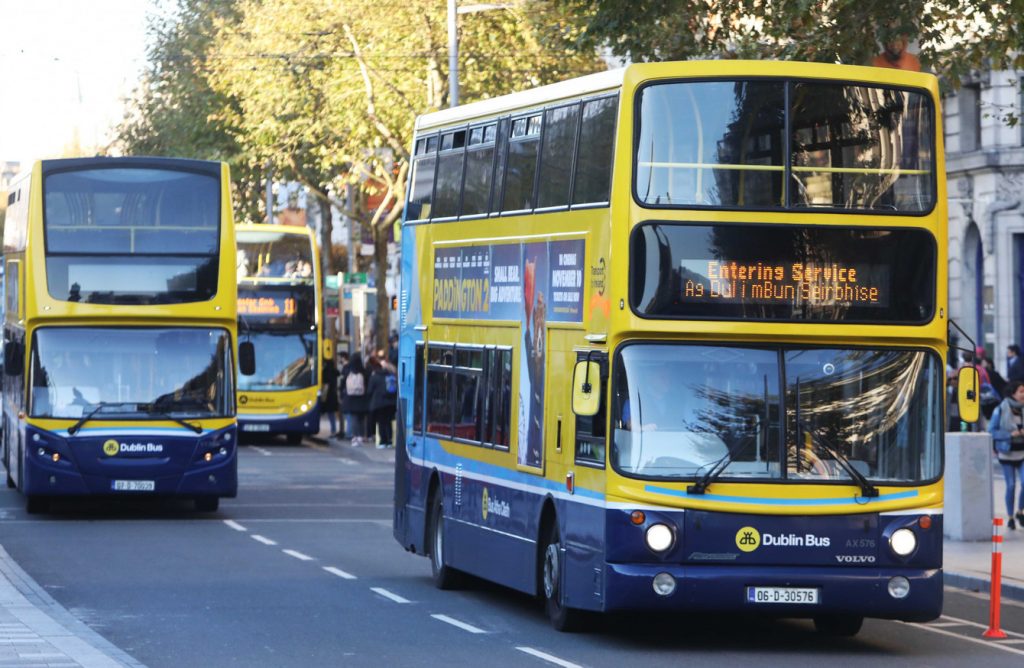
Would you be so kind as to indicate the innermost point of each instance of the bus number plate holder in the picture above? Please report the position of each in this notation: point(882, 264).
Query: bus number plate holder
point(783, 595)
point(133, 485)
point(255, 427)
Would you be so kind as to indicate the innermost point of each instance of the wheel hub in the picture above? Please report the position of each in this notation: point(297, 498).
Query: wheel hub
point(550, 571)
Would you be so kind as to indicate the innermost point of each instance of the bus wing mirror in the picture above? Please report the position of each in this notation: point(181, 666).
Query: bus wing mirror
point(328, 349)
point(968, 394)
point(586, 388)
point(246, 358)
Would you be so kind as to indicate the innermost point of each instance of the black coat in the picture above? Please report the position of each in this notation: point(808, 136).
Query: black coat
point(354, 404)
point(379, 397)
point(330, 395)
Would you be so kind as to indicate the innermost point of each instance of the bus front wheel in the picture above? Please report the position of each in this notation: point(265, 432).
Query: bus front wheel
point(562, 617)
point(841, 626)
point(444, 576)
point(207, 504)
point(35, 504)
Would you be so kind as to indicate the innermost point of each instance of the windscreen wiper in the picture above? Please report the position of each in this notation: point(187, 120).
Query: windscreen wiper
point(866, 488)
point(184, 423)
point(701, 485)
point(88, 416)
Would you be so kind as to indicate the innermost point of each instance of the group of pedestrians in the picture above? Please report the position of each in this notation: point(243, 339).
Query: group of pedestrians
point(366, 394)
point(1003, 408)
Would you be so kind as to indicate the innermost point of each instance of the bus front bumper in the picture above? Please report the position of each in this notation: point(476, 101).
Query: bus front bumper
point(861, 592)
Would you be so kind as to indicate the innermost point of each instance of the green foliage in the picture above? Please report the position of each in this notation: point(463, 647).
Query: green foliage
point(955, 36)
point(176, 113)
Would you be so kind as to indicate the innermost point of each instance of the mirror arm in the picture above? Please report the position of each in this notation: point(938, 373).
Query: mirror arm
point(952, 323)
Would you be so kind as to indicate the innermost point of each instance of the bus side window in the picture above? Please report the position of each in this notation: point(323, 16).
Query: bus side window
point(595, 150)
point(590, 430)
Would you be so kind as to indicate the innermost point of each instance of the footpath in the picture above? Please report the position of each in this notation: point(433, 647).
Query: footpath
point(37, 632)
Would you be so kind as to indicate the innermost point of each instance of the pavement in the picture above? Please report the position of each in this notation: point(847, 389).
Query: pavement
point(37, 632)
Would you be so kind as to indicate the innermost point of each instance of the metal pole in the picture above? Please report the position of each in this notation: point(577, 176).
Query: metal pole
point(453, 55)
point(269, 168)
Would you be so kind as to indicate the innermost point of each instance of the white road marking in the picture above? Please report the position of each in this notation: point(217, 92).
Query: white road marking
point(983, 596)
point(262, 451)
point(454, 622)
point(994, 644)
point(235, 525)
point(964, 622)
point(298, 555)
point(263, 539)
point(386, 594)
point(547, 657)
point(943, 625)
point(340, 573)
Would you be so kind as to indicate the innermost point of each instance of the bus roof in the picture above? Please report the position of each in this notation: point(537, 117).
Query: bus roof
point(571, 88)
point(209, 166)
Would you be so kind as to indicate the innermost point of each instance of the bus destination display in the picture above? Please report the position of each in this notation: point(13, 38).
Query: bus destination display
point(783, 272)
point(794, 283)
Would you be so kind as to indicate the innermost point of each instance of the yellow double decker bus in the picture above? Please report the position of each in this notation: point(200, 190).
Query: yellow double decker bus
point(673, 339)
point(119, 331)
point(279, 312)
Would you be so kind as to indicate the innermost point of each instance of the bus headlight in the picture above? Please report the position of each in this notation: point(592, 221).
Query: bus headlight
point(903, 542)
point(659, 537)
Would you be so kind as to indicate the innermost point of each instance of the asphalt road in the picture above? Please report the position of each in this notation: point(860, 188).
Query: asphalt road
point(301, 570)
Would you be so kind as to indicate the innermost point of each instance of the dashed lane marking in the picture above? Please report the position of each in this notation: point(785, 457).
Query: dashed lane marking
point(340, 573)
point(388, 595)
point(544, 656)
point(263, 539)
point(235, 525)
point(298, 555)
point(456, 623)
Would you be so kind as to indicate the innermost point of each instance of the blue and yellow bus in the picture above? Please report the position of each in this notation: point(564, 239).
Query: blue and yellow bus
point(673, 339)
point(119, 331)
point(279, 312)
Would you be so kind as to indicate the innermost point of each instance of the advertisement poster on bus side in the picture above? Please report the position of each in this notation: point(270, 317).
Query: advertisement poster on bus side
point(533, 283)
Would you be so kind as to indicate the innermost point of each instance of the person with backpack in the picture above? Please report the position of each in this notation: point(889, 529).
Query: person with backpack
point(383, 399)
point(355, 401)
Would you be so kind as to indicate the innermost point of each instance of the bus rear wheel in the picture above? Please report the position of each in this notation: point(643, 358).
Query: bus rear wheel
point(840, 626)
point(562, 617)
point(444, 576)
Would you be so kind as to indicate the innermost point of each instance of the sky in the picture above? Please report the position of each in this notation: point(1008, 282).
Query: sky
point(66, 66)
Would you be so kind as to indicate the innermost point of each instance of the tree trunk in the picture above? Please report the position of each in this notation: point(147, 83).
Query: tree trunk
point(380, 256)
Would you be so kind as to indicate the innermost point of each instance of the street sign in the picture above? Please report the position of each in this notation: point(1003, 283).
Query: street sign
point(356, 277)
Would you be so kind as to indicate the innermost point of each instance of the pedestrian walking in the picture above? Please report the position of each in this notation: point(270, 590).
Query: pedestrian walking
point(383, 400)
point(1007, 428)
point(355, 401)
point(329, 395)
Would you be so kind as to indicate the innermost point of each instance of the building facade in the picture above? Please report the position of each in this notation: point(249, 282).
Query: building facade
point(985, 172)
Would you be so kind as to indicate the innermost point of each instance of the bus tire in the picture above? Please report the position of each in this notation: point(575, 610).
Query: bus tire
point(207, 504)
point(839, 626)
point(562, 617)
point(35, 504)
point(444, 576)
point(294, 439)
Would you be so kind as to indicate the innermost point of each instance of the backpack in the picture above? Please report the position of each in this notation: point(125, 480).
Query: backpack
point(390, 383)
point(355, 384)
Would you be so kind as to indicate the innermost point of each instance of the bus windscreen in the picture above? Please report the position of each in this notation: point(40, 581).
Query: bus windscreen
point(789, 273)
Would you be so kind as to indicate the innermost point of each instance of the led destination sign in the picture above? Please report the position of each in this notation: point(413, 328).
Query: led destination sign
point(795, 283)
point(783, 272)
point(267, 306)
point(277, 306)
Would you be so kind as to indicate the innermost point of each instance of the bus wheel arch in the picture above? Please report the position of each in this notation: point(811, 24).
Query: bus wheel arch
point(443, 575)
point(551, 572)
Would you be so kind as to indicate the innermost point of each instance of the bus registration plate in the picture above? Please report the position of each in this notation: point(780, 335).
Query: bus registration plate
point(255, 427)
point(133, 485)
point(786, 595)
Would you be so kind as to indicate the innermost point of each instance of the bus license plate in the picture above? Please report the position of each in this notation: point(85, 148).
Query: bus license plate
point(255, 427)
point(133, 485)
point(787, 595)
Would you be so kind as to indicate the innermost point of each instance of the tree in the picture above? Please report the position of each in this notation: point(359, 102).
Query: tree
point(328, 91)
point(954, 36)
point(175, 112)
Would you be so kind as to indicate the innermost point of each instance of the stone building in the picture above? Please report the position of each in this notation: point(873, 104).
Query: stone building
point(985, 175)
